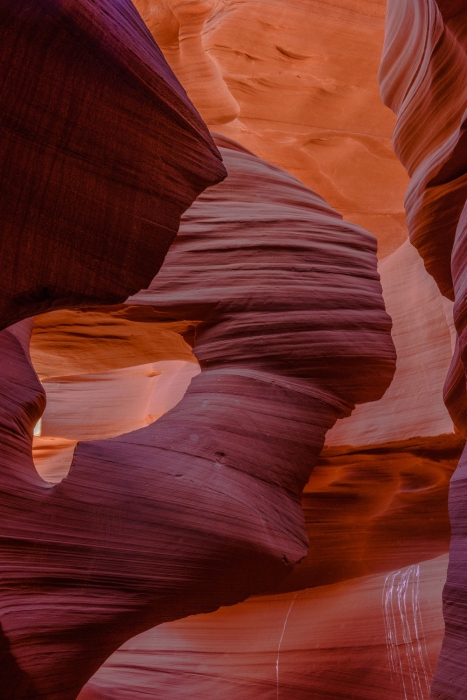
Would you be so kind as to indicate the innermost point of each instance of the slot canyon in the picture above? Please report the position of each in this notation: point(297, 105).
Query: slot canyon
point(233, 316)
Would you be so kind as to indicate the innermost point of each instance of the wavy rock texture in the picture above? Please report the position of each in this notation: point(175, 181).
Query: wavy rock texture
point(365, 639)
point(424, 336)
point(423, 79)
point(423, 76)
point(202, 507)
point(295, 81)
point(377, 500)
point(92, 186)
point(376, 503)
point(117, 368)
point(379, 507)
point(451, 674)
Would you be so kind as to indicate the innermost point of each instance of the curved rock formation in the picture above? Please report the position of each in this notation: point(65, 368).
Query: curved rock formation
point(118, 369)
point(376, 502)
point(423, 76)
point(369, 638)
point(177, 26)
point(424, 80)
point(424, 336)
point(92, 184)
point(301, 78)
point(202, 507)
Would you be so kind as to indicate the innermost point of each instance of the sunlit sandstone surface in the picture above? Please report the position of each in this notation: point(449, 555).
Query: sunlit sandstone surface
point(201, 506)
point(297, 83)
point(373, 637)
point(193, 415)
point(376, 504)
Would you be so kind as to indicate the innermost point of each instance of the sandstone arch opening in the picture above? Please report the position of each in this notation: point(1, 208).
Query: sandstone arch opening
point(105, 373)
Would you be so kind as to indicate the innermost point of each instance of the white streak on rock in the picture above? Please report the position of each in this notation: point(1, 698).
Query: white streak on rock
point(280, 642)
point(405, 636)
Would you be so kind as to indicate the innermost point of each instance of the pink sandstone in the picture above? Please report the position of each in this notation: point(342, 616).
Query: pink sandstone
point(372, 637)
point(423, 77)
point(296, 82)
point(202, 507)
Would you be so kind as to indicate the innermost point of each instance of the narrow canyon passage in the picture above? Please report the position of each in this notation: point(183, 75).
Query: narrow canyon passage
point(375, 506)
point(233, 235)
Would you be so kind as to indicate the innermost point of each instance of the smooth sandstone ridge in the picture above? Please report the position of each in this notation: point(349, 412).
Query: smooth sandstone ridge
point(376, 503)
point(424, 337)
point(295, 81)
point(268, 314)
point(361, 615)
point(91, 141)
point(202, 507)
point(423, 78)
point(376, 637)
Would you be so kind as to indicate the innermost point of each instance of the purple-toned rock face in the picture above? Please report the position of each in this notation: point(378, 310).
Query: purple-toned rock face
point(450, 681)
point(282, 302)
point(424, 79)
point(101, 152)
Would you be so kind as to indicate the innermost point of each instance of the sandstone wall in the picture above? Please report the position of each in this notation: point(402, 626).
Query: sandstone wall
point(202, 507)
point(295, 82)
point(423, 77)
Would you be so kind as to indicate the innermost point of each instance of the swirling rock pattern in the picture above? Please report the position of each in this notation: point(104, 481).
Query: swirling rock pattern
point(376, 503)
point(202, 507)
point(451, 674)
point(424, 336)
point(118, 369)
point(91, 183)
point(423, 77)
point(371, 507)
point(376, 637)
point(295, 81)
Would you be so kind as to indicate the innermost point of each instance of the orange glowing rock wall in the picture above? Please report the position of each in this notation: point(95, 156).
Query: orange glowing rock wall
point(327, 643)
point(296, 82)
point(268, 312)
point(201, 507)
point(375, 507)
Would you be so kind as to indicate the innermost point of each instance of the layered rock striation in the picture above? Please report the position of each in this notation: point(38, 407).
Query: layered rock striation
point(373, 637)
point(423, 77)
point(281, 301)
point(296, 82)
point(268, 313)
point(361, 615)
point(92, 139)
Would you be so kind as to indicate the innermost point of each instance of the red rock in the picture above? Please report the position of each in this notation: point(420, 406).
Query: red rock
point(377, 507)
point(85, 341)
point(177, 26)
point(52, 457)
point(92, 139)
point(423, 75)
point(282, 302)
point(295, 81)
point(424, 80)
point(369, 638)
point(451, 673)
point(374, 510)
point(424, 337)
